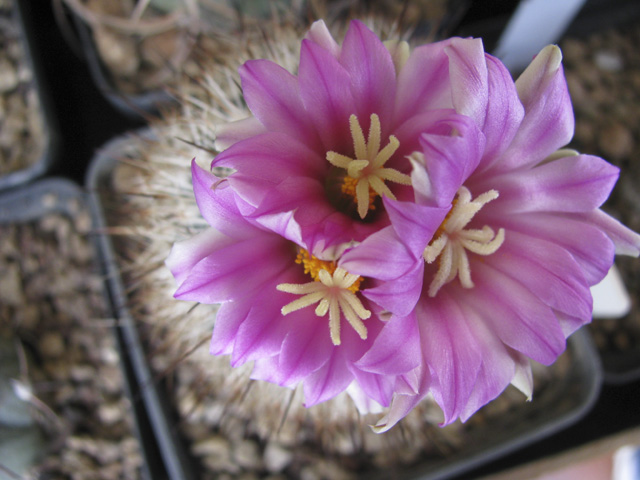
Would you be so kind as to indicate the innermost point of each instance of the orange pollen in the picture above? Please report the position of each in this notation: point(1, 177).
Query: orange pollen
point(349, 188)
point(443, 225)
point(313, 265)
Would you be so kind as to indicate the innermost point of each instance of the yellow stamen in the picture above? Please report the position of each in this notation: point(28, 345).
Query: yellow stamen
point(313, 266)
point(366, 170)
point(452, 240)
point(349, 185)
point(333, 289)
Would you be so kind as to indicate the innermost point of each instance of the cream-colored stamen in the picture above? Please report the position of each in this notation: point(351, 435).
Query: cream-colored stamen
point(332, 294)
point(452, 241)
point(367, 168)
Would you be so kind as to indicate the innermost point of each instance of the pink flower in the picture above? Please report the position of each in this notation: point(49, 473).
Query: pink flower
point(400, 224)
point(507, 275)
point(265, 285)
point(327, 144)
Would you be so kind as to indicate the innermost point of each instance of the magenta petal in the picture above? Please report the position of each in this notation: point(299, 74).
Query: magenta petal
point(520, 319)
point(230, 272)
point(363, 402)
point(264, 328)
point(398, 296)
point(437, 122)
point(497, 369)
point(450, 159)
point(626, 241)
point(230, 133)
point(570, 324)
point(415, 224)
point(396, 350)
point(381, 255)
point(307, 349)
point(409, 383)
point(384, 257)
point(186, 254)
point(588, 245)
point(320, 226)
point(273, 96)
point(326, 94)
point(373, 76)
point(401, 404)
point(504, 110)
point(229, 317)
point(449, 348)
point(262, 162)
point(319, 34)
point(572, 184)
point(377, 387)
point(552, 274)
point(268, 370)
point(273, 156)
point(218, 204)
point(468, 72)
point(423, 82)
point(252, 326)
point(333, 378)
point(548, 122)
point(283, 224)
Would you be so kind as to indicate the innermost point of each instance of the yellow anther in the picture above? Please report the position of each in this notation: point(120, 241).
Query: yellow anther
point(452, 240)
point(312, 266)
point(367, 168)
point(334, 290)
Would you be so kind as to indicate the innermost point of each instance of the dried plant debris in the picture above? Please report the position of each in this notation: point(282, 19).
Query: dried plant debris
point(235, 426)
point(148, 44)
point(603, 73)
point(53, 312)
point(22, 135)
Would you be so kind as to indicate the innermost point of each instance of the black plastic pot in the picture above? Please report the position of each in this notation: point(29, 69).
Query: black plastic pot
point(542, 418)
point(50, 123)
point(623, 366)
point(61, 196)
point(136, 106)
point(164, 448)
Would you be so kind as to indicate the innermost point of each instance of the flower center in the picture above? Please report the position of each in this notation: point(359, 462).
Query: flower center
point(333, 289)
point(366, 173)
point(452, 240)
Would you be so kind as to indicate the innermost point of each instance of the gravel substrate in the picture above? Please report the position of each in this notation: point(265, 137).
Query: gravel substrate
point(53, 313)
point(22, 135)
point(603, 73)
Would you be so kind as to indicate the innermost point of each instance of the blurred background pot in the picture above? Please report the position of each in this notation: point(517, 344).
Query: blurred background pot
point(137, 51)
point(28, 128)
point(63, 405)
point(604, 82)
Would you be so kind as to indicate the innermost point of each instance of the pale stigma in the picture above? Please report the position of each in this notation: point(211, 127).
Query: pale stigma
point(452, 240)
point(367, 168)
point(332, 294)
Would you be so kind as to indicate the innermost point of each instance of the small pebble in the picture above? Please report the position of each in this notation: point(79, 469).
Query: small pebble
point(277, 457)
point(616, 141)
point(247, 455)
point(51, 344)
point(8, 76)
point(11, 285)
point(22, 132)
point(608, 61)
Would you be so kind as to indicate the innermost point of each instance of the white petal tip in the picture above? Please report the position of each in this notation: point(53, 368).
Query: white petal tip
point(380, 427)
point(553, 56)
